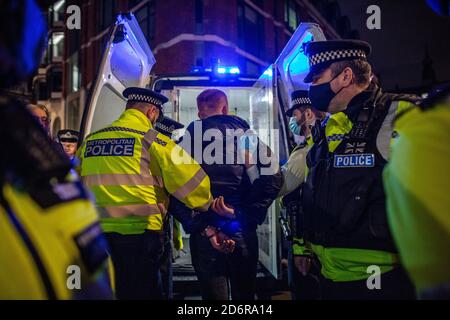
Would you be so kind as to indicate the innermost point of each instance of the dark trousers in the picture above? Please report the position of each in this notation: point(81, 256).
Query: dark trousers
point(304, 287)
point(215, 270)
point(136, 260)
point(166, 271)
point(395, 285)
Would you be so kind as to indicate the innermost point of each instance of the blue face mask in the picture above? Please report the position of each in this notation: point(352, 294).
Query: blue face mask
point(295, 127)
point(321, 95)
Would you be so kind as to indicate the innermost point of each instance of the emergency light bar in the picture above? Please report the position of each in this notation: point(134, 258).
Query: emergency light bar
point(228, 70)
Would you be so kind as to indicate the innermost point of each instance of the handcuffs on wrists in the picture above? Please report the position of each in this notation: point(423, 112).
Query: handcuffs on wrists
point(205, 232)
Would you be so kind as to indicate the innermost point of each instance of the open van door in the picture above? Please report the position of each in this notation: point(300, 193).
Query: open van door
point(292, 64)
point(127, 61)
point(268, 102)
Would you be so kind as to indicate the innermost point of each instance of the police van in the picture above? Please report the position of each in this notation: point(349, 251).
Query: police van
point(128, 61)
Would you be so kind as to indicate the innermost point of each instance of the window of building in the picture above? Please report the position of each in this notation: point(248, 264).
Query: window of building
point(56, 126)
point(73, 113)
point(250, 30)
point(107, 13)
point(259, 3)
point(74, 76)
point(57, 46)
point(58, 12)
point(54, 79)
point(40, 90)
point(146, 18)
point(133, 3)
point(291, 17)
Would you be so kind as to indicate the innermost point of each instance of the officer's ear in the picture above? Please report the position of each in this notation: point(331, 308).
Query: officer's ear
point(309, 115)
point(347, 76)
point(151, 114)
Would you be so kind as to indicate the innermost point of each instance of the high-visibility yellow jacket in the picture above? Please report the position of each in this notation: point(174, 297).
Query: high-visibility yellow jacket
point(46, 249)
point(417, 181)
point(132, 169)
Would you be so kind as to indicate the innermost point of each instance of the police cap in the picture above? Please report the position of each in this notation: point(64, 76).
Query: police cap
point(321, 54)
point(137, 94)
point(299, 98)
point(68, 135)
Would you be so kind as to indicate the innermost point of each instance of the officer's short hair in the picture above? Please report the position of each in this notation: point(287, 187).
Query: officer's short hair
point(211, 98)
point(361, 70)
point(318, 114)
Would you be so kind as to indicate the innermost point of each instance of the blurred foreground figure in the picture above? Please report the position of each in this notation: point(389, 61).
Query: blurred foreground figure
point(417, 181)
point(52, 246)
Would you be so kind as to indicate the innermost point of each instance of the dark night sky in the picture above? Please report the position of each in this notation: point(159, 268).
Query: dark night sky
point(407, 28)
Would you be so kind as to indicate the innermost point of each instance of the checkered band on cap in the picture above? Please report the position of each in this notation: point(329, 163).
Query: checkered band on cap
point(304, 100)
point(336, 55)
point(163, 127)
point(144, 98)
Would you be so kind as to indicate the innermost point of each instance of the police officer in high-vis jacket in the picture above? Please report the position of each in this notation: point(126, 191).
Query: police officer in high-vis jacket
point(132, 169)
point(417, 181)
point(343, 198)
point(52, 246)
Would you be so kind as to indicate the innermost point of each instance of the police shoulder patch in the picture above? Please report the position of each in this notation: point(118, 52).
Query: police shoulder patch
point(364, 160)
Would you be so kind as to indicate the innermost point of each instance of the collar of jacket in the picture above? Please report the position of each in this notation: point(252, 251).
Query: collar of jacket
point(360, 100)
point(137, 118)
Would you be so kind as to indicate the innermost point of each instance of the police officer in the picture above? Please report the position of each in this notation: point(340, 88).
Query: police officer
point(172, 228)
point(304, 285)
point(132, 169)
point(417, 180)
point(343, 198)
point(68, 140)
point(52, 246)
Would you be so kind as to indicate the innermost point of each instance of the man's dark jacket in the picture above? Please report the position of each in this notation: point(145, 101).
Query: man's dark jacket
point(249, 200)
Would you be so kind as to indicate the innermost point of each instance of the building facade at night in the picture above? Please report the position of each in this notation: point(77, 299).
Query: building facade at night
point(185, 34)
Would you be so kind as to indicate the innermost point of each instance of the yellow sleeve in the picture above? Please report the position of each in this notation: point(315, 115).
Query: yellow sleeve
point(177, 235)
point(183, 177)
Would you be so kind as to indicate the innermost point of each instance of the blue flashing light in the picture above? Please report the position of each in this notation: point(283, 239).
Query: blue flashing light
point(228, 70)
point(234, 70)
